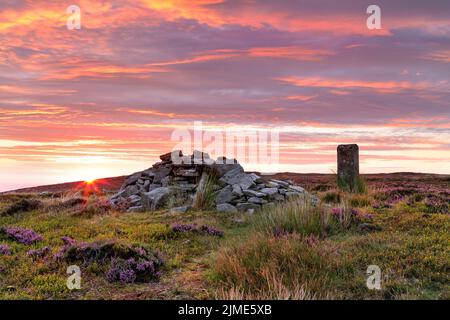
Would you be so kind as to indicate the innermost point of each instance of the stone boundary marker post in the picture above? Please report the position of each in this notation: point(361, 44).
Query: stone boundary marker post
point(348, 166)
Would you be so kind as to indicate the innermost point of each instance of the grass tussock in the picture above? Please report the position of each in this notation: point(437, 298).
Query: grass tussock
point(360, 200)
point(204, 196)
point(274, 268)
point(280, 259)
point(22, 205)
point(299, 216)
point(360, 185)
point(276, 290)
point(332, 196)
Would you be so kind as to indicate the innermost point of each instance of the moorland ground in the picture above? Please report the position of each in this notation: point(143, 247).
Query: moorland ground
point(295, 251)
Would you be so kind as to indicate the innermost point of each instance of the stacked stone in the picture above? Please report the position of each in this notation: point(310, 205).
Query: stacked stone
point(177, 176)
point(242, 192)
point(151, 188)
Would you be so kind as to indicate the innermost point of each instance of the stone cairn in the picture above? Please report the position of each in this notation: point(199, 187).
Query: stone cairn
point(177, 180)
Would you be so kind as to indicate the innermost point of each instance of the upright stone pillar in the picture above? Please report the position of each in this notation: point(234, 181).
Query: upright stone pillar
point(348, 166)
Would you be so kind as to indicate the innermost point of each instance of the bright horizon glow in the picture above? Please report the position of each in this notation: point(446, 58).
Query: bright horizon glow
point(90, 181)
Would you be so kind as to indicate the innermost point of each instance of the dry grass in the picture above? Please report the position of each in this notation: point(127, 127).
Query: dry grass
point(299, 216)
point(300, 252)
point(276, 290)
point(274, 268)
point(204, 196)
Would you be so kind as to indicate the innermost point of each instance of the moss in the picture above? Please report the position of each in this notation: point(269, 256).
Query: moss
point(23, 205)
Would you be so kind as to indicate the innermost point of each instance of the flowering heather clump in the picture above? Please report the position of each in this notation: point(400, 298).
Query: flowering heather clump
point(211, 231)
point(38, 253)
point(68, 241)
point(69, 244)
point(139, 269)
point(355, 213)
point(127, 276)
point(338, 213)
point(434, 204)
point(127, 264)
point(21, 235)
point(5, 250)
point(183, 228)
point(346, 217)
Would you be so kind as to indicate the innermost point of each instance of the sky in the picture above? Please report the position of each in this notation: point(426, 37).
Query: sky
point(105, 100)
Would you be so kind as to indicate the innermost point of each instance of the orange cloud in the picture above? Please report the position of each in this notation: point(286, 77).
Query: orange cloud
point(379, 86)
point(12, 19)
point(8, 89)
point(251, 15)
point(187, 9)
point(101, 71)
point(443, 56)
point(292, 52)
point(300, 97)
point(39, 109)
point(340, 92)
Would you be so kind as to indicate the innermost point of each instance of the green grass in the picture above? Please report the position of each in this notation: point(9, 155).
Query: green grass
point(411, 249)
point(24, 278)
point(295, 251)
point(360, 185)
point(297, 216)
point(205, 194)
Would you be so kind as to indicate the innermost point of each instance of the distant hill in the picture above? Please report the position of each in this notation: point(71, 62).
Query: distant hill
point(105, 184)
point(307, 180)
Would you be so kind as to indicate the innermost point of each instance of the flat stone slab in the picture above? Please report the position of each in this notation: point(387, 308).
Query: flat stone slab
point(161, 173)
point(225, 195)
point(237, 177)
point(132, 179)
point(244, 207)
point(156, 199)
point(256, 200)
point(237, 190)
point(168, 156)
point(269, 191)
point(135, 209)
point(226, 208)
point(297, 188)
point(131, 190)
point(280, 183)
point(187, 172)
point(252, 193)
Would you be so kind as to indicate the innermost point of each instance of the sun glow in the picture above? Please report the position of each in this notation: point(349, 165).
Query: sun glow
point(89, 177)
point(89, 181)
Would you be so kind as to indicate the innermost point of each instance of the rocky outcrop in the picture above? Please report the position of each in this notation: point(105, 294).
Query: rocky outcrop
point(176, 181)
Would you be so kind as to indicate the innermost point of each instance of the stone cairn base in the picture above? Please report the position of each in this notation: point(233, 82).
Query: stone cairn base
point(177, 180)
